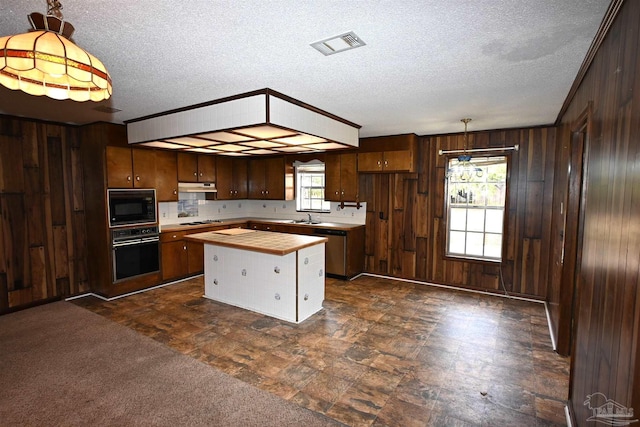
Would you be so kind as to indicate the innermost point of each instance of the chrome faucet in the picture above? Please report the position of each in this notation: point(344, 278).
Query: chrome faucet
point(310, 220)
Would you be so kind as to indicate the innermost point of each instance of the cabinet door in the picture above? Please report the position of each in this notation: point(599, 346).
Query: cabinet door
point(224, 178)
point(370, 162)
point(174, 259)
point(349, 177)
point(144, 167)
point(332, 186)
point(398, 161)
point(166, 176)
point(187, 167)
point(119, 167)
point(240, 184)
point(274, 178)
point(206, 168)
point(256, 178)
point(195, 256)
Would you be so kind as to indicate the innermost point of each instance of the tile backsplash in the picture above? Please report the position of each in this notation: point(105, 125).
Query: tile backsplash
point(195, 207)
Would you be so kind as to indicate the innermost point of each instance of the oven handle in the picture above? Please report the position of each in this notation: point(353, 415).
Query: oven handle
point(136, 242)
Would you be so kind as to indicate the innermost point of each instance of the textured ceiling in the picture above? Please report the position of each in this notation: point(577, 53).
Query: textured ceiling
point(427, 63)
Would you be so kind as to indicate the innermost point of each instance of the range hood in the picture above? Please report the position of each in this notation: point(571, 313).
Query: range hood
point(197, 187)
point(261, 122)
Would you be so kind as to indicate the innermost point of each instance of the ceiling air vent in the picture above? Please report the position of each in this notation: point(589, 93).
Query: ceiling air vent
point(338, 43)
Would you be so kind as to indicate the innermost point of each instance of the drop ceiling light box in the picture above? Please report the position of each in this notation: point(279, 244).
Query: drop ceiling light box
point(255, 123)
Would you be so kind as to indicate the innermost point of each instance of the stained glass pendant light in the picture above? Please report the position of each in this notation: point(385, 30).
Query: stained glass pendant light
point(45, 62)
point(463, 169)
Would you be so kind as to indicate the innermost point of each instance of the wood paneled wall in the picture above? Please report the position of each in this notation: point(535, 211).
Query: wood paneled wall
point(606, 354)
point(406, 219)
point(42, 227)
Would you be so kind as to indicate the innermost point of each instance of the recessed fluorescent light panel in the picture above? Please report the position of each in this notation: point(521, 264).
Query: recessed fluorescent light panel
point(339, 43)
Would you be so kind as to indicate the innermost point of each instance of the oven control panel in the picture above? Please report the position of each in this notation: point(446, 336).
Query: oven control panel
point(123, 234)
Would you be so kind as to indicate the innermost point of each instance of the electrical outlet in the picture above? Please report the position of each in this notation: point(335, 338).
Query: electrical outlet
point(164, 214)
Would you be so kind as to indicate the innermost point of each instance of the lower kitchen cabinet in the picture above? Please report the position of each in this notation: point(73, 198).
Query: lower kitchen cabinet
point(182, 258)
point(174, 255)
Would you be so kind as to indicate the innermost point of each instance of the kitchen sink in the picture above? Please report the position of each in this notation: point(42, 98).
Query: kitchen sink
point(208, 221)
point(306, 221)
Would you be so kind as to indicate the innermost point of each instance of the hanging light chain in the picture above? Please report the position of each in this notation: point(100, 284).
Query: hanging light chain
point(53, 9)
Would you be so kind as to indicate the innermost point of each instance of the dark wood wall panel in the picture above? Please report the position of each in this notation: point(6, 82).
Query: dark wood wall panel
point(406, 221)
point(606, 353)
point(42, 231)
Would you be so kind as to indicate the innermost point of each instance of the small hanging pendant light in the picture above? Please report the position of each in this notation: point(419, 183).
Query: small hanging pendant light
point(45, 62)
point(464, 169)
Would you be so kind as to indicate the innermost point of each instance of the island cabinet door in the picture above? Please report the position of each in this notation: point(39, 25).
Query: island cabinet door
point(274, 285)
point(311, 282)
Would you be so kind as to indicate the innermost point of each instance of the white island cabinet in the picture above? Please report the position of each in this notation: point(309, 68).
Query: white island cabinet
point(277, 274)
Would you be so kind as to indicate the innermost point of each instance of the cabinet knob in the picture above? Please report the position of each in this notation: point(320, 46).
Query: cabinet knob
point(343, 192)
point(277, 270)
point(320, 273)
point(184, 247)
point(337, 192)
point(215, 257)
point(378, 162)
point(306, 260)
point(244, 272)
point(195, 174)
point(200, 173)
point(137, 177)
point(128, 178)
point(175, 191)
point(306, 297)
point(277, 296)
point(267, 192)
point(215, 281)
point(174, 236)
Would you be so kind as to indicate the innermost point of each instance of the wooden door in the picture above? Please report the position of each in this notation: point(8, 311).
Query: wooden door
point(119, 167)
point(370, 162)
point(332, 172)
point(174, 259)
point(195, 257)
point(349, 177)
point(256, 177)
point(240, 184)
point(274, 178)
point(187, 167)
point(166, 176)
point(206, 168)
point(144, 167)
point(572, 241)
point(397, 161)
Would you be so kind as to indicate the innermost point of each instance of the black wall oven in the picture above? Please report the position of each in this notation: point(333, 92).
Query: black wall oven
point(131, 207)
point(135, 252)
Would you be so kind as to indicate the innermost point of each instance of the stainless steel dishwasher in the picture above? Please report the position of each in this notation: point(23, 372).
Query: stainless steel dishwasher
point(335, 251)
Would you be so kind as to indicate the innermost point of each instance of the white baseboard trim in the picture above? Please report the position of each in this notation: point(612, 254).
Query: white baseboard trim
point(457, 288)
point(91, 294)
point(551, 334)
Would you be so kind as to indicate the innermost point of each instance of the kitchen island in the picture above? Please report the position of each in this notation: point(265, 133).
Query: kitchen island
point(277, 274)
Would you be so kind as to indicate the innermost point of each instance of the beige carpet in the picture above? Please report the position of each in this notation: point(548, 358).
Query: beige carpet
point(63, 365)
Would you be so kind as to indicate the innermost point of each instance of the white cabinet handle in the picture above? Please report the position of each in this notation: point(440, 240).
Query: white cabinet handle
point(244, 272)
point(306, 260)
point(277, 270)
point(215, 257)
point(277, 297)
point(306, 297)
point(137, 177)
point(215, 281)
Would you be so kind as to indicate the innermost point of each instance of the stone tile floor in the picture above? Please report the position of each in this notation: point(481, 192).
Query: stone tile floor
point(382, 352)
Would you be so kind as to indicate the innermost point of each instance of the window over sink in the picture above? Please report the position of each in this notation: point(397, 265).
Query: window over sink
point(310, 183)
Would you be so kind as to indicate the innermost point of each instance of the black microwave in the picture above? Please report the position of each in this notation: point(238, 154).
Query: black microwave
point(131, 207)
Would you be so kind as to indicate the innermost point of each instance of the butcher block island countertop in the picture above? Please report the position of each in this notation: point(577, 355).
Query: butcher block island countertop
point(257, 241)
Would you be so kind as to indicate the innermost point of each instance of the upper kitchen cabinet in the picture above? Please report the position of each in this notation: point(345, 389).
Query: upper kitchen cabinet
point(166, 176)
point(231, 178)
point(267, 178)
point(341, 178)
point(388, 154)
point(196, 167)
point(130, 167)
